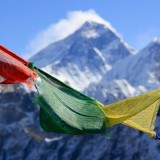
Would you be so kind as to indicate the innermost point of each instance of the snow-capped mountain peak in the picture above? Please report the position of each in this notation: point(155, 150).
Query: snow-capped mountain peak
point(92, 29)
point(90, 24)
point(83, 57)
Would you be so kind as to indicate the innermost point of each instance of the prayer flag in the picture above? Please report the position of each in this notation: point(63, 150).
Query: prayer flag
point(65, 110)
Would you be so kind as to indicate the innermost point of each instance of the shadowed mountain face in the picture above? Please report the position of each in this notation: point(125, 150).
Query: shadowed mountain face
point(83, 57)
point(96, 61)
point(78, 45)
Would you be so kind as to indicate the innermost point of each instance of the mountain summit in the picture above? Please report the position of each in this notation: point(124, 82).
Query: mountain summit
point(140, 69)
point(84, 56)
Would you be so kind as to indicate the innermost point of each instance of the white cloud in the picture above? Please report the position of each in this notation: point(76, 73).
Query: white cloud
point(63, 28)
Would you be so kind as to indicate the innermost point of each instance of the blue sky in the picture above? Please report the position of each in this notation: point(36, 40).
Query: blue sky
point(22, 22)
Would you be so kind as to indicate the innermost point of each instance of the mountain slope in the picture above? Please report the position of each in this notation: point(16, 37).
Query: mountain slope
point(83, 57)
point(109, 92)
point(140, 69)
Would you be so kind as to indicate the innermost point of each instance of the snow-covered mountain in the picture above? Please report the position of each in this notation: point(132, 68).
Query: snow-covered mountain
point(93, 58)
point(141, 69)
point(109, 92)
point(83, 57)
point(130, 76)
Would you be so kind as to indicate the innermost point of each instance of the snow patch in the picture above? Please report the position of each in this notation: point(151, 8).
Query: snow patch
point(90, 34)
point(99, 54)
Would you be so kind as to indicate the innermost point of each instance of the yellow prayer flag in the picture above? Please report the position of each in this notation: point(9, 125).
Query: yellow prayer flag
point(138, 112)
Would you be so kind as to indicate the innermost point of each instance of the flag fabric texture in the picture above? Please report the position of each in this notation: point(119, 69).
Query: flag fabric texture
point(65, 110)
point(13, 69)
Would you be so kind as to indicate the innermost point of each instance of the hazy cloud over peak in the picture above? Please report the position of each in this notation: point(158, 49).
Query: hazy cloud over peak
point(63, 28)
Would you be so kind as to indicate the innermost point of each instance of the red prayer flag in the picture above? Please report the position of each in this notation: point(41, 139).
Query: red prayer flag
point(14, 69)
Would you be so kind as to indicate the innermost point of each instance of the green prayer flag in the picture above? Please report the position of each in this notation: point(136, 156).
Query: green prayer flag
point(65, 110)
